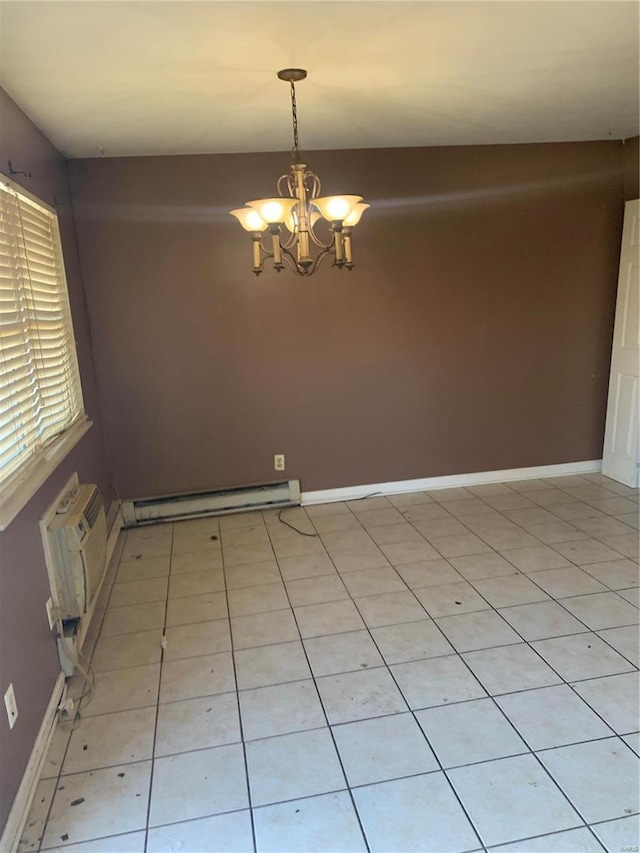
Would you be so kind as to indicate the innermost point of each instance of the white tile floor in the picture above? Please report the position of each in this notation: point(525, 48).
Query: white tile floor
point(447, 671)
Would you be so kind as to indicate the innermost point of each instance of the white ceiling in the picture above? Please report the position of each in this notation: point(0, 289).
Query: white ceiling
point(169, 77)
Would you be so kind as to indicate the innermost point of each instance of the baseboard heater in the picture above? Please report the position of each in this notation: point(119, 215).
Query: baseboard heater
point(201, 504)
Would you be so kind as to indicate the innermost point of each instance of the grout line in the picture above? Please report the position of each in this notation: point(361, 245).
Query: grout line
point(190, 820)
point(70, 847)
point(401, 693)
point(440, 768)
point(412, 711)
point(496, 848)
point(326, 716)
point(239, 713)
point(157, 714)
point(610, 735)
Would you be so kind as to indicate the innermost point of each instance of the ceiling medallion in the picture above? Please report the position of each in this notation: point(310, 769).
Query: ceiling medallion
point(291, 219)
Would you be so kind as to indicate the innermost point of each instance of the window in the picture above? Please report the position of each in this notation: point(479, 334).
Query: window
point(40, 393)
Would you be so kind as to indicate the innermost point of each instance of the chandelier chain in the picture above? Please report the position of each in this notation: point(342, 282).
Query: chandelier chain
point(295, 151)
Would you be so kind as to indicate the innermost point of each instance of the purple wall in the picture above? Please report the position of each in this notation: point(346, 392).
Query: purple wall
point(28, 656)
point(474, 333)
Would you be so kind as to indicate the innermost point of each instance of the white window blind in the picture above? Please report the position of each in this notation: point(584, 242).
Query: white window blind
point(40, 393)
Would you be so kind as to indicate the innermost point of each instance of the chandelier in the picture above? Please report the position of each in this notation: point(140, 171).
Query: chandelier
point(292, 218)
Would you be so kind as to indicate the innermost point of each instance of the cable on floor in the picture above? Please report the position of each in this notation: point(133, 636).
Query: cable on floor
point(314, 535)
point(301, 532)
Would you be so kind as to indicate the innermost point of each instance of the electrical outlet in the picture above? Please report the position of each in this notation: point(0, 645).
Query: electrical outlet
point(278, 462)
point(50, 616)
point(11, 706)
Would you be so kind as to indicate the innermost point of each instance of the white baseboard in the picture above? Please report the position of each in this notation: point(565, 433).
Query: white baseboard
point(24, 798)
point(450, 481)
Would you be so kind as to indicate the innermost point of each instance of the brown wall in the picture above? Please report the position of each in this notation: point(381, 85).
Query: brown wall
point(474, 333)
point(631, 159)
point(28, 656)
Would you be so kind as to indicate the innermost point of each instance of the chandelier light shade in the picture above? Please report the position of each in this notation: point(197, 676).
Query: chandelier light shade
point(291, 218)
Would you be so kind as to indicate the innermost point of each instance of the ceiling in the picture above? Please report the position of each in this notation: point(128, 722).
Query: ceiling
point(133, 78)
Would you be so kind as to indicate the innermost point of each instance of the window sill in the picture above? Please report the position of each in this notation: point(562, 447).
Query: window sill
point(18, 493)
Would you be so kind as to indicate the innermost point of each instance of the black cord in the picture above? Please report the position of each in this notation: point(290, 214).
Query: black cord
point(301, 532)
point(314, 535)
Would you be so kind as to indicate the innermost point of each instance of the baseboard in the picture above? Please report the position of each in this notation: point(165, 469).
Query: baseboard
point(451, 480)
point(12, 832)
point(181, 506)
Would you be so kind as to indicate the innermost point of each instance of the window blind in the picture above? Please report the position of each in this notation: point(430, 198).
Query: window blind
point(40, 393)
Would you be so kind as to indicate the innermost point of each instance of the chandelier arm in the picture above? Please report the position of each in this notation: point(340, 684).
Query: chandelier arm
point(284, 179)
point(291, 262)
point(311, 183)
point(293, 239)
point(325, 253)
point(329, 246)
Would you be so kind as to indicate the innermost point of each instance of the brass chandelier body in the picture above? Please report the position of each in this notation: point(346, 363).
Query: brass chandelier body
point(292, 217)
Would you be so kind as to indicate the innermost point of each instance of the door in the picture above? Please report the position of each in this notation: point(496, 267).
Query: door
point(621, 453)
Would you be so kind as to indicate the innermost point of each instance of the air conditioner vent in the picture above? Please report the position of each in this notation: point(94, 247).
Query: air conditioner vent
point(76, 549)
point(93, 508)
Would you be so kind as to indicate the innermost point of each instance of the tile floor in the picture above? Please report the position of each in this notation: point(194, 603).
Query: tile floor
point(447, 671)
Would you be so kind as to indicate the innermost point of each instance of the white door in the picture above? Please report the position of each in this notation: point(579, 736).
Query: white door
point(621, 453)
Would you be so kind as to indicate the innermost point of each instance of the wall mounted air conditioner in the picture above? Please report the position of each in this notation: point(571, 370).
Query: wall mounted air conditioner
point(201, 504)
point(76, 540)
